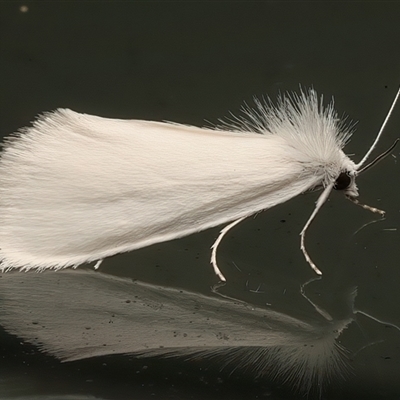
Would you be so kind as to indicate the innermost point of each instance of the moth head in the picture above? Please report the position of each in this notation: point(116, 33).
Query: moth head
point(346, 181)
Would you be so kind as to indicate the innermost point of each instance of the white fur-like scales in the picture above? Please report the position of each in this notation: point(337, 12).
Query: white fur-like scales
point(76, 188)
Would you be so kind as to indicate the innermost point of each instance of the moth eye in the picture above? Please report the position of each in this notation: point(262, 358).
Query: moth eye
point(343, 181)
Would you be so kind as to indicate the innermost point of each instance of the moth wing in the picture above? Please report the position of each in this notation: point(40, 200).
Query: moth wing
point(76, 188)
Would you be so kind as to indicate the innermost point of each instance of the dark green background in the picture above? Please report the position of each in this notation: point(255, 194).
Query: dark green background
point(195, 61)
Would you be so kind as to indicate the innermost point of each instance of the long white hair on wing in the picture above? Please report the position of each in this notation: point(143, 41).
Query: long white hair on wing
point(75, 315)
point(77, 188)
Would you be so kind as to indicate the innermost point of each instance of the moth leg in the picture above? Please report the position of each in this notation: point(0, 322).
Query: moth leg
point(217, 286)
point(97, 265)
point(321, 200)
point(366, 224)
point(214, 248)
point(319, 310)
point(365, 206)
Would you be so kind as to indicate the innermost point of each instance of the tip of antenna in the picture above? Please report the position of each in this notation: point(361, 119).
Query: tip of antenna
point(362, 162)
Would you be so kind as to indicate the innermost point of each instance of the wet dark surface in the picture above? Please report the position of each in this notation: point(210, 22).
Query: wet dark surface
point(194, 62)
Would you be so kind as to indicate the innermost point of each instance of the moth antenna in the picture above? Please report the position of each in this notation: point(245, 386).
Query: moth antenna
point(321, 200)
point(379, 158)
point(214, 248)
point(356, 353)
point(365, 206)
point(379, 133)
point(377, 319)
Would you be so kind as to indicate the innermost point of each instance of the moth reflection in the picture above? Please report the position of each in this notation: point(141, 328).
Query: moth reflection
point(75, 315)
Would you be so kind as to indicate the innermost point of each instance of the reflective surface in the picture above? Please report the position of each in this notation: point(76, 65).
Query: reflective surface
point(194, 62)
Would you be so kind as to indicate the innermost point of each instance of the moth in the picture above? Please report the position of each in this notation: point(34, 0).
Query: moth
point(76, 188)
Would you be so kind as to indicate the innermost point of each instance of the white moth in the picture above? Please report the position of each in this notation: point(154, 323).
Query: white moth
point(77, 188)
